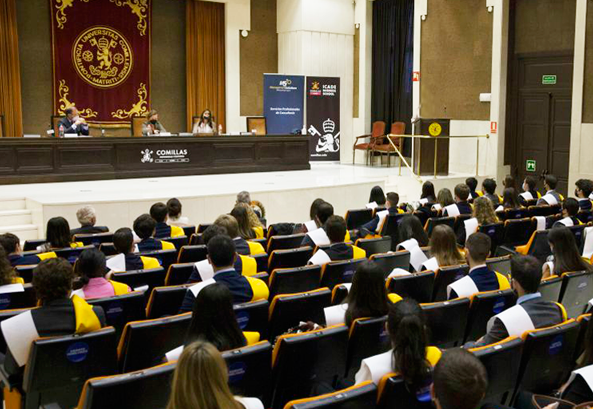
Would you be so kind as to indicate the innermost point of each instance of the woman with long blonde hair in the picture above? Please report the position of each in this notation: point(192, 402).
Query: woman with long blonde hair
point(484, 211)
point(443, 246)
point(201, 382)
point(254, 222)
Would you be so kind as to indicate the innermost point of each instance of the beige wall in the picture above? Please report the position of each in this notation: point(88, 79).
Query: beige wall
point(588, 89)
point(456, 59)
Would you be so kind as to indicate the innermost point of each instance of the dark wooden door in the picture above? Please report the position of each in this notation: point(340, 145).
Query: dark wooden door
point(543, 110)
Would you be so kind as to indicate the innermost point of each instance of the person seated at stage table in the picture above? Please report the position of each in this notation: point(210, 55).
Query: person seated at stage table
point(461, 205)
point(335, 227)
point(244, 247)
point(551, 197)
point(565, 256)
point(583, 190)
point(570, 209)
point(531, 311)
point(377, 198)
point(222, 255)
point(174, 214)
point(472, 183)
point(145, 227)
point(123, 241)
point(7, 272)
point(529, 192)
point(510, 199)
point(91, 267)
point(205, 124)
point(375, 225)
point(73, 123)
point(12, 246)
point(160, 213)
point(58, 313)
point(88, 218)
point(58, 235)
point(489, 190)
point(480, 277)
point(152, 126)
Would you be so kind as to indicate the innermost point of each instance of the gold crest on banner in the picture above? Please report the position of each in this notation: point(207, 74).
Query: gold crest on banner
point(63, 91)
point(140, 108)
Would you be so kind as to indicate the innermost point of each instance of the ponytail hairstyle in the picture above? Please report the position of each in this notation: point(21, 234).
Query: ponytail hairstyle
point(407, 330)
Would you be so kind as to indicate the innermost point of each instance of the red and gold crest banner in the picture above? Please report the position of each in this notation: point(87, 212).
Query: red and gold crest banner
point(101, 58)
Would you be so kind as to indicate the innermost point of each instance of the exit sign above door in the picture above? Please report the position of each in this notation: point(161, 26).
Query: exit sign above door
point(549, 79)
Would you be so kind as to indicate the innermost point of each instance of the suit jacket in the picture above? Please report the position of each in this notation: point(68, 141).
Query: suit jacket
point(82, 129)
point(483, 278)
point(494, 199)
point(464, 208)
point(146, 128)
point(542, 313)
point(550, 192)
point(373, 224)
point(20, 260)
point(585, 203)
point(533, 193)
point(89, 230)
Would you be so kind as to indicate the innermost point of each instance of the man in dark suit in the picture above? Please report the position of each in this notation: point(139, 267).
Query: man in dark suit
point(73, 123)
point(461, 196)
point(536, 313)
point(583, 189)
point(87, 218)
point(489, 189)
point(550, 182)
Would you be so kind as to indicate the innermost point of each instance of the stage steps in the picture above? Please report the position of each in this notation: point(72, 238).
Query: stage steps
point(17, 219)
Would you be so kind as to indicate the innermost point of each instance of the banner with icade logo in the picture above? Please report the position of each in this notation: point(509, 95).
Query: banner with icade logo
point(323, 118)
point(101, 58)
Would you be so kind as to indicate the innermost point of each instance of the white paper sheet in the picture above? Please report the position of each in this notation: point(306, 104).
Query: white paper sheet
point(407, 245)
point(398, 272)
point(464, 287)
point(382, 215)
point(19, 332)
point(526, 195)
point(452, 210)
point(567, 221)
point(117, 263)
point(195, 289)
point(431, 264)
point(541, 223)
point(471, 226)
point(336, 314)
point(588, 246)
point(515, 319)
point(550, 199)
point(417, 256)
point(174, 354)
point(436, 207)
point(319, 237)
point(320, 258)
point(12, 288)
point(423, 201)
point(311, 225)
point(205, 269)
point(586, 373)
point(372, 205)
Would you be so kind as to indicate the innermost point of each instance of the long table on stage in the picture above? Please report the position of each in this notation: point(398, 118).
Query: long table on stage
point(37, 160)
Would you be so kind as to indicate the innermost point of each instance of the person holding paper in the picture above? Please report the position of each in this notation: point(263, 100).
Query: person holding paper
point(123, 241)
point(570, 210)
point(480, 277)
point(7, 274)
point(551, 197)
point(160, 213)
point(531, 311)
point(222, 255)
point(566, 256)
point(529, 191)
point(472, 183)
point(482, 215)
point(443, 246)
point(73, 123)
point(12, 245)
point(410, 228)
point(461, 205)
point(410, 356)
point(152, 126)
point(316, 237)
point(583, 190)
point(145, 229)
point(338, 250)
point(377, 197)
point(58, 314)
point(489, 190)
point(428, 199)
point(92, 268)
point(375, 225)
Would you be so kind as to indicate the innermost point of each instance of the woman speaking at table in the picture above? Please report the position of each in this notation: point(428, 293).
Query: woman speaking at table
point(206, 124)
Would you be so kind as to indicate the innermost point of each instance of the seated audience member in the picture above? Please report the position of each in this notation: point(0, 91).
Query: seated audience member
point(324, 212)
point(509, 182)
point(174, 214)
point(489, 189)
point(375, 225)
point(222, 256)
point(410, 356)
point(58, 314)
point(7, 273)
point(123, 241)
point(443, 247)
point(529, 192)
point(202, 270)
point(159, 212)
point(87, 218)
point(445, 198)
point(460, 380)
point(152, 126)
point(245, 230)
point(313, 223)
point(570, 209)
point(565, 254)
point(410, 227)
point(260, 211)
point(214, 321)
point(12, 246)
point(144, 227)
point(245, 197)
point(201, 381)
point(92, 269)
point(428, 195)
point(531, 311)
point(367, 297)
point(251, 224)
point(472, 183)
point(377, 196)
point(244, 247)
point(484, 211)
point(461, 204)
point(335, 228)
point(551, 197)
point(58, 235)
point(480, 278)
point(583, 190)
point(510, 199)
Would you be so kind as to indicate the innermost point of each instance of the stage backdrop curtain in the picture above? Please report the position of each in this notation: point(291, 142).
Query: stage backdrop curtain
point(393, 48)
point(205, 60)
point(10, 76)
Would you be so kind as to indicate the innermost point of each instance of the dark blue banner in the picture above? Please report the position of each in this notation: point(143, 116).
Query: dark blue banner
point(283, 103)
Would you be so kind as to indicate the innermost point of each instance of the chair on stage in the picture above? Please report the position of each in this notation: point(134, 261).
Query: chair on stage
point(136, 125)
point(2, 132)
point(382, 146)
point(378, 131)
point(54, 120)
point(257, 123)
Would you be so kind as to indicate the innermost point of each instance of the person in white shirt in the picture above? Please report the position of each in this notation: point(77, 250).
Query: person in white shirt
point(174, 211)
point(206, 124)
point(201, 381)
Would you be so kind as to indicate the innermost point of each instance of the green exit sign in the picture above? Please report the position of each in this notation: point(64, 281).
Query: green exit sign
point(530, 165)
point(549, 79)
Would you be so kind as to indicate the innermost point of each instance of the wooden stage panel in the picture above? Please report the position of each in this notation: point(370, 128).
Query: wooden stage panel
point(59, 160)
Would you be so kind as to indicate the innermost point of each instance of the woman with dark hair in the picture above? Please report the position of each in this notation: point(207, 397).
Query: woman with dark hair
point(428, 193)
point(174, 212)
point(410, 228)
point(411, 357)
point(92, 269)
point(7, 273)
point(377, 196)
point(565, 254)
point(445, 198)
point(509, 182)
point(245, 229)
point(58, 236)
point(214, 321)
point(367, 296)
point(510, 199)
point(443, 246)
point(205, 124)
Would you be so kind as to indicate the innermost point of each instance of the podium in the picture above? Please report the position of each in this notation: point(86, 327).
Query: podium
point(424, 149)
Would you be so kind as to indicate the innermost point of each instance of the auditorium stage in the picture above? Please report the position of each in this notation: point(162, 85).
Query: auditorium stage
point(286, 195)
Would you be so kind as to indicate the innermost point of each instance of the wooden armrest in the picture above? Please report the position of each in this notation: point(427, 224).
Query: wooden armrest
point(364, 136)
